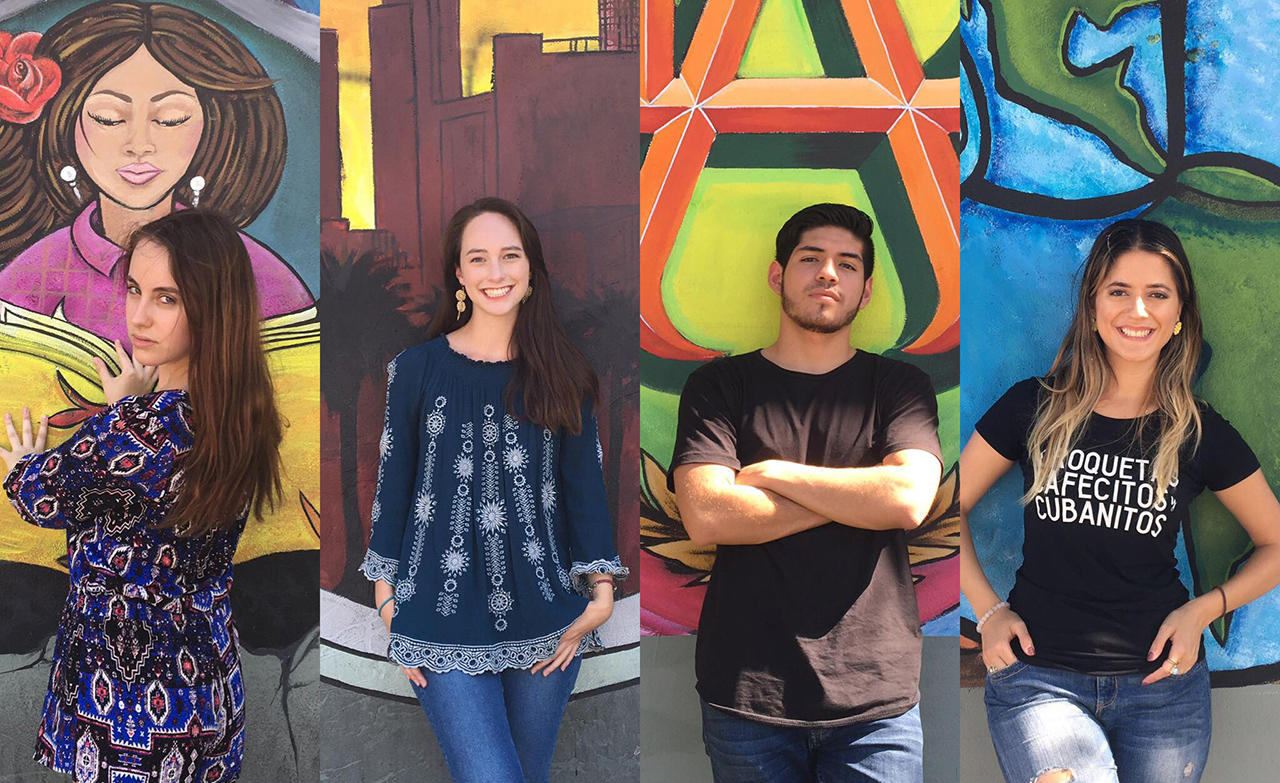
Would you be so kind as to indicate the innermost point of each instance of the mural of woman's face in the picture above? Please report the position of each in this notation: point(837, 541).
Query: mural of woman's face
point(138, 131)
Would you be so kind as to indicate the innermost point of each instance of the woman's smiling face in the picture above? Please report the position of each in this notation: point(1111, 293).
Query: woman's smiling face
point(1137, 306)
point(138, 132)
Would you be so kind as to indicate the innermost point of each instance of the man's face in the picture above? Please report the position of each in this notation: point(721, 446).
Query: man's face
point(824, 284)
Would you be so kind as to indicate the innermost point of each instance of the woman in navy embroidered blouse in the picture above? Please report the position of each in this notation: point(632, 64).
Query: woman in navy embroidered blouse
point(491, 531)
point(146, 681)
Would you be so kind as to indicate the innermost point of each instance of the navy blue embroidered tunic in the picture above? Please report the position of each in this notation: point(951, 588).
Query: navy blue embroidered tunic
point(146, 682)
point(486, 525)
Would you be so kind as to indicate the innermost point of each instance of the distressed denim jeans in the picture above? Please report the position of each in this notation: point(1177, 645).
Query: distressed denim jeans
point(747, 751)
point(1099, 729)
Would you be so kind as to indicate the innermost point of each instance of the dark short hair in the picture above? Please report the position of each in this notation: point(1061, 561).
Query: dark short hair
point(852, 219)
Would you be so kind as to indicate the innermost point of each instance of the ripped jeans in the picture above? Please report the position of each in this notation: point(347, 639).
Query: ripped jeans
point(1098, 729)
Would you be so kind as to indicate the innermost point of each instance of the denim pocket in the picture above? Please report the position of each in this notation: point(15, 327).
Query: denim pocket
point(1007, 672)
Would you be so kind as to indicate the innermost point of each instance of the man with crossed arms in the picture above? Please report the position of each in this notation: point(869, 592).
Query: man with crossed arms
point(806, 463)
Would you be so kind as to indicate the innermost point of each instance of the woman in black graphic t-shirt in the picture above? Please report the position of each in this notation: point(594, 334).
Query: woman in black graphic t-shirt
point(1095, 661)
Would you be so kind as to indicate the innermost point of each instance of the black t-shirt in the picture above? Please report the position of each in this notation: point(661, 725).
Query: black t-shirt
point(821, 626)
point(1099, 574)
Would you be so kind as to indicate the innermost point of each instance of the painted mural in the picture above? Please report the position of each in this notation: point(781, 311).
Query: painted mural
point(750, 110)
point(1150, 109)
point(61, 303)
point(426, 107)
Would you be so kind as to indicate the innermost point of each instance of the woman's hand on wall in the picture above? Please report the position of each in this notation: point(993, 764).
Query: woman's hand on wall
point(134, 377)
point(998, 633)
point(597, 612)
point(29, 442)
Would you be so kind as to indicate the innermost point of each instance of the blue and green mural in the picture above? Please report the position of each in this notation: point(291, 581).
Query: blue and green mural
point(1077, 114)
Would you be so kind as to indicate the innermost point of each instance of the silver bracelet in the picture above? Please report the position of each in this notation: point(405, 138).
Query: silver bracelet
point(991, 611)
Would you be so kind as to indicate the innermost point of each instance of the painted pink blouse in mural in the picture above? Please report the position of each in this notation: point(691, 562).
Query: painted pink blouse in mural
point(76, 265)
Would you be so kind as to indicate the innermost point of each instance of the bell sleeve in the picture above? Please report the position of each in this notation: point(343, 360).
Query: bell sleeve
point(398, 448)
point(581, 472)
point(46, 487)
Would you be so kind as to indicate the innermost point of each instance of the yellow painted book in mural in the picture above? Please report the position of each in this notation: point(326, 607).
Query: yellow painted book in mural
point(54, 359)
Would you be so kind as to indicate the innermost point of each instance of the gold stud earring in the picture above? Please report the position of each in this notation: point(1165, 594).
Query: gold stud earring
point(528, 292)
point(1177, 328)
point(462, 301)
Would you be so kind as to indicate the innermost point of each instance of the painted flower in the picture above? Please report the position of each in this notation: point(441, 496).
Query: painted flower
point(26, 82)
point(384, 445)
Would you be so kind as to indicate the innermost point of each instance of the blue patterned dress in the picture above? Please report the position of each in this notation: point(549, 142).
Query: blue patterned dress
point(146, 683)
point(485, 524)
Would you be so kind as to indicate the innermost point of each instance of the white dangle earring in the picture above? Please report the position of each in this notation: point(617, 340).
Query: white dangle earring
point(197, 185)
point(68, 175)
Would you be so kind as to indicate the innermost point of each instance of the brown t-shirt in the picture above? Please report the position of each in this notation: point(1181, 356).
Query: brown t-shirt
point(820, 627)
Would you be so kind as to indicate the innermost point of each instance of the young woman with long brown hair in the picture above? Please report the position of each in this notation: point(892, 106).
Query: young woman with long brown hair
point(492, 551)
point(1095, 661)
point(154, 492)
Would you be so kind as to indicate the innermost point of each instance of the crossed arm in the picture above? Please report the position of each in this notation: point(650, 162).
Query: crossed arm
point(773, 499)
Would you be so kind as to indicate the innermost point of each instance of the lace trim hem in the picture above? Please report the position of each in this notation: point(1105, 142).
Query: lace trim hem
point(376, 567)
point(480, 659)
point(579, 570)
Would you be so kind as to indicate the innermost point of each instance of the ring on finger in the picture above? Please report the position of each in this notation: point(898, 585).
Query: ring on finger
point(1174, 668)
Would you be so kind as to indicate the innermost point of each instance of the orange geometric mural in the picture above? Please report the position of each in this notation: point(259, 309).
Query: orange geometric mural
point(686, 111)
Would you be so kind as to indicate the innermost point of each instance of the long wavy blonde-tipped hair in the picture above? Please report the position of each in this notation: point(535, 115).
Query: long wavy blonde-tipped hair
point(1080, 371)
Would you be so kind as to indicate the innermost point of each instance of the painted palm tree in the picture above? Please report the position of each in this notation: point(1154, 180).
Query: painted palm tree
point(365, 321)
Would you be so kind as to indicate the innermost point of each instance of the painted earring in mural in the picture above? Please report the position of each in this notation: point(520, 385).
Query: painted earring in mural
point(69, 175)
point(751, 111)
point(1145, 108)
point(125, 112)
point(196, 185)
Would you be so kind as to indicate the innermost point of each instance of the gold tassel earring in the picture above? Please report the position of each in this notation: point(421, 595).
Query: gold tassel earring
point(1177, 328)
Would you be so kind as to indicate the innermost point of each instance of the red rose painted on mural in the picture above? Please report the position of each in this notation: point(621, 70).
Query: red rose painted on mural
point(26, 83)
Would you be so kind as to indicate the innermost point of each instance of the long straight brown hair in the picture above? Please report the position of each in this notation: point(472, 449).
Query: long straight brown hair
point(235, 459)
point(552, 377)
point(1080, 371)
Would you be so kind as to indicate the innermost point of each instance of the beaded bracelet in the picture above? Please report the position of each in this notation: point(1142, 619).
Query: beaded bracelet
point(613, 586)
point(991, 611)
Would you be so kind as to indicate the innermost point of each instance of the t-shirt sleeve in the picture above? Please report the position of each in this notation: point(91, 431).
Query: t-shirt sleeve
point(911, 418)
point(706, 425)
point(1225, 457)
point(1007, 423)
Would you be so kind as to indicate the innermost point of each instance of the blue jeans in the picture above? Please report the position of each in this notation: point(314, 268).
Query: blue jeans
point(1102, 729)
point(880, 751)
point(498, 727)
